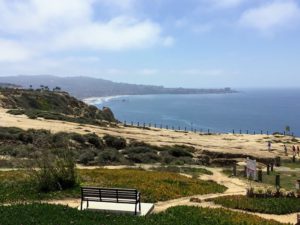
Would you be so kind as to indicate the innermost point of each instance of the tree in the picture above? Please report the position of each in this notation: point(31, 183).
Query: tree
point(288, 129)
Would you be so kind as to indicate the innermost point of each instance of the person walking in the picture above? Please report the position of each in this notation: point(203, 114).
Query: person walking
point(269, 145)
point(294, 150)
point(298, 151)
point(285, 149)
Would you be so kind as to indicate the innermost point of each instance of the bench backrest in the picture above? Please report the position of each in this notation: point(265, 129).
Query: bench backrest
point(109, 193)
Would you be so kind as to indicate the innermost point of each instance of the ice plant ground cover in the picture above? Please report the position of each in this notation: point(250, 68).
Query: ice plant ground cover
point(36, 214)
point(280, 205)
point(17, 186)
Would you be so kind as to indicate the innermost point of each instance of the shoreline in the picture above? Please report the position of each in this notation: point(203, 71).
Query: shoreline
point(101, 100)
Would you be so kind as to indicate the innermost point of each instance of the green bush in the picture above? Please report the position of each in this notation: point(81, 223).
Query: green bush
point(115, 142)
point(110, 156)
point(55, 173)
point(86, 157)
point(94, 140)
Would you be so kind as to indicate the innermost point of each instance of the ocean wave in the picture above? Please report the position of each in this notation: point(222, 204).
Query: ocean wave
point(101, 100)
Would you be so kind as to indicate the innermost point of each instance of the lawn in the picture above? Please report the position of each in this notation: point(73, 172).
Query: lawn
point(37, 214)
point(278, 206)
point(16, 186)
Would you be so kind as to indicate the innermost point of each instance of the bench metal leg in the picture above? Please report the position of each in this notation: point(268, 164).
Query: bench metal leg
point(81, 205)
point(135, 209)
point(140, 206)
point(87, 204)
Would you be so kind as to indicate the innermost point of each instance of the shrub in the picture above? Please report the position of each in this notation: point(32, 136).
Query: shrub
point(110, 156)
point(79, 138)
point(179, 152)
point(115, 142)
point(94, 140)
point(55, 173)
point(86, 157)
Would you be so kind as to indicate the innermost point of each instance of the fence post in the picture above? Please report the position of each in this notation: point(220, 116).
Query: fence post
point(131, 123)
point(294, 158)
point(277, 182)
point(261, 132)
point(155, 125)
point(247, 132)
point(240, 131)
point(167, 127)
point(267, 132)
point(138, 124)
point(185, 129)
point(179, 128)
point(144, 125)
point(278, 161)
point(259, 175)
point(272, 167)
point(245, 171)
point(268, 169)
point(233, 131)
point(234, 170)
point(208, 131)
point(160, 126)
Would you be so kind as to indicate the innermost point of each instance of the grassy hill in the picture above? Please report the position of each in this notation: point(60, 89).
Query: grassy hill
point(52, 105)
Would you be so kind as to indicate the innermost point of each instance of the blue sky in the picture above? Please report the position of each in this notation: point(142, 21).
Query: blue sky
point(191, 43)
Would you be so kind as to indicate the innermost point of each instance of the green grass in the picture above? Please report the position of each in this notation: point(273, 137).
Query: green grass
point(287, 179)
point(278, 206)
point(16, 186)
point(42, 214)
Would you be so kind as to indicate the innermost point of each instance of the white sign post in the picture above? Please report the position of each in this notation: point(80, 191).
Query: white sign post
point(251, 169)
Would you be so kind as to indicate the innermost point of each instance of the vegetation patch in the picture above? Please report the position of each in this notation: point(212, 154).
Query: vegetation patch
point(154, 186)
point(195, 172)
point(280, 205)
point(36, 214)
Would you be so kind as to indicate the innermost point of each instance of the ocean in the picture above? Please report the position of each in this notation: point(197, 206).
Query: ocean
point(249, 110)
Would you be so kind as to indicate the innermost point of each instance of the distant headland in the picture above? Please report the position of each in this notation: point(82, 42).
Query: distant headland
point(86, 87)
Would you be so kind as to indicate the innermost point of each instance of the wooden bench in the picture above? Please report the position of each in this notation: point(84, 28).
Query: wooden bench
point(112, 195)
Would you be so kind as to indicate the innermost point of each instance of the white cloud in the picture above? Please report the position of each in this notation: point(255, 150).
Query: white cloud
point(226, 3)
point(272, 16)
point(119, 33)
point(11, 51)
point(65, 25)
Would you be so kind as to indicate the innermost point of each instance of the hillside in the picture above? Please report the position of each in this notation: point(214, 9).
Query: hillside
point(8, 85)
point(84, 87)
point(52, 105)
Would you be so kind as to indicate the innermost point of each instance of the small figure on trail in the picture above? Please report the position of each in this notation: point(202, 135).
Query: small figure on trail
point(298, 151)
point(285, 149)
point(269, 145)
point(294, 150)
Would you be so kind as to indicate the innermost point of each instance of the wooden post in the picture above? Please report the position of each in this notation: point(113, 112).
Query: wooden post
point(261, 132)
point(272, 167)
point(267, 132)
point(138, 124)
point(167, 127)
point(277, 182)
point(240, 131)
point(234, 170)
point(278, 161)
point(144, 125)
point(247, 132)
point(245, 171)
point(233, 131)
point(268, 169)
point(294, 159)
point(185, 129)
point(259, 175)
point(125, 123)
point(131, 123)
point(155, 125)
point(208, 131)
point(298, 219)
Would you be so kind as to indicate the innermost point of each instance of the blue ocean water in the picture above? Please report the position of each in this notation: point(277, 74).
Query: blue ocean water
point(251, 109)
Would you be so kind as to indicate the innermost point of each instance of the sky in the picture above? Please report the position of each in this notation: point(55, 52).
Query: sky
point(190, 43)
